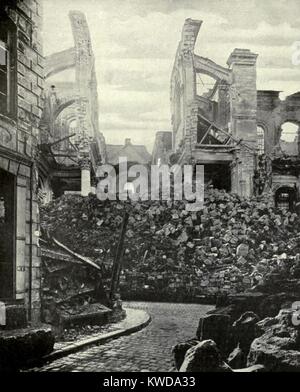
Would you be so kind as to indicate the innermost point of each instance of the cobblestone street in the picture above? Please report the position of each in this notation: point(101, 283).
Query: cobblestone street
point(146, 350)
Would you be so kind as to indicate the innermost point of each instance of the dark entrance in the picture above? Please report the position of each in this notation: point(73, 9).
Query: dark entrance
point(7, 234)
point(285, 198)
point(218, 175)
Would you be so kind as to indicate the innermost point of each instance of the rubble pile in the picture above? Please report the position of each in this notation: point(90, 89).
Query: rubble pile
point(240, 339)
point(232, 244)
point(72, 292)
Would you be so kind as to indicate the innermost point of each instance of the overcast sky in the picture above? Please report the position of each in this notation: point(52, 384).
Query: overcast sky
point(135, 41)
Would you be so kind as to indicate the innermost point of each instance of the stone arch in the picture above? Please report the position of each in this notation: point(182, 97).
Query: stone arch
point(62, 125)
point(210, 68)
point(58, 62)
point(63, 106)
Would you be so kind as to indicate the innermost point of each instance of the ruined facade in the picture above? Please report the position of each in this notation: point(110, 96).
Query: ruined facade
point(233, 129)
point(71, 145)
point(21, 84)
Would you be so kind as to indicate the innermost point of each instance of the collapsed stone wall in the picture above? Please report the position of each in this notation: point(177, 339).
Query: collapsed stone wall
point(171, 254)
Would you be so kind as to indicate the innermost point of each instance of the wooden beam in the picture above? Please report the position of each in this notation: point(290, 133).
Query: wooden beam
point(201, 141)
point(118, 260)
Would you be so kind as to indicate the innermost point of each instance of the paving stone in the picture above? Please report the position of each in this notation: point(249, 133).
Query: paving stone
point(146, 350)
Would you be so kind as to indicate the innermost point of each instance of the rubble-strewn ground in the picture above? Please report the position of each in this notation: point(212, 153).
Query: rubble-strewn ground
point(172, 254)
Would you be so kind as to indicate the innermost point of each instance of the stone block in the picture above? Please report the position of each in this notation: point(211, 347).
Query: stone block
point(16, 317)
point(23, 347)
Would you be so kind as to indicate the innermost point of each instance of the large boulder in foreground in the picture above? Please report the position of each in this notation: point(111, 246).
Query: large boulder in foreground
point(216, 327)
point(204, 357)
point(244, 330)
point(278, 347)
point(180, 350)
point(237, 358)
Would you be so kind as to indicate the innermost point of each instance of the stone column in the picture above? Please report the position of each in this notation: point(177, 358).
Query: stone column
point(223, 92)
point(243, 106)
point(85, 167)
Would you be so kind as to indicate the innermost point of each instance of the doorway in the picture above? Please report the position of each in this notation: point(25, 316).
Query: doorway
point(7, 234)
point(218, 175)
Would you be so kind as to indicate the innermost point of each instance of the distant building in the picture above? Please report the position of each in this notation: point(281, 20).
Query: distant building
point(134, 153)
point(162, 147)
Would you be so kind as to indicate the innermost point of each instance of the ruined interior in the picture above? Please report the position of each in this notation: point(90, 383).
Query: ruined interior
point(233, 122)
point(72, 144)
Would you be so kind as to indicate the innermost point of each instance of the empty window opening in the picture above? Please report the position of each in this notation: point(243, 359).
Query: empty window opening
point(260, 141)
point(289, 138)
point(7, 68)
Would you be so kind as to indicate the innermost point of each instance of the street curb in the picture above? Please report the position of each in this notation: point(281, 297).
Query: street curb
point(94, 340)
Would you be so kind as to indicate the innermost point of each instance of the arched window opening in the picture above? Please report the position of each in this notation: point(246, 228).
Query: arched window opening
point(72, 130)
point(260, 140)
point(289, 138)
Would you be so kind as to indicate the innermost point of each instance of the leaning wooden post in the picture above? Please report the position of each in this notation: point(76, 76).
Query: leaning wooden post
point(118, 260)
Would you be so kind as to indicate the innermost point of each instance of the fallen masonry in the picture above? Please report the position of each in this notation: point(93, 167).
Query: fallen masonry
point(232, 245)
point(243, 254)
point(249, 343)
point(74, 300)
point(24, 346)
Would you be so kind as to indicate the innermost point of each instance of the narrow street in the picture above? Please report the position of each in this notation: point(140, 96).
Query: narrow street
point(146, 350)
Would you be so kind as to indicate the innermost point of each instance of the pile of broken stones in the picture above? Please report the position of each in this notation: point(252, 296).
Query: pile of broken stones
point(233, 339)
point(244, 252)
point(231, 245)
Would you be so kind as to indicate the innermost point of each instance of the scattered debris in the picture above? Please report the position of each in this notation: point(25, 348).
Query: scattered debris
point(232, 244)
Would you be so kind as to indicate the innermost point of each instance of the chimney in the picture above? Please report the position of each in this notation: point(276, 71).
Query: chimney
point(127, 142)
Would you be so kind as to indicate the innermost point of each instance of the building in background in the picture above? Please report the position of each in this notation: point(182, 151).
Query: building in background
point(162, 147)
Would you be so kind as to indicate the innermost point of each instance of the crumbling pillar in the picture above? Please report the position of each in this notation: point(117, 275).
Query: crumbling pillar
point(85, 167)
point(243, 105)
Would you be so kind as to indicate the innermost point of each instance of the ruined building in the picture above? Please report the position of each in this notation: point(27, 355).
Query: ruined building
point(233, 129)
point(49, 143)
point(72, 146)
point(21, 84)
point(71, 143)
